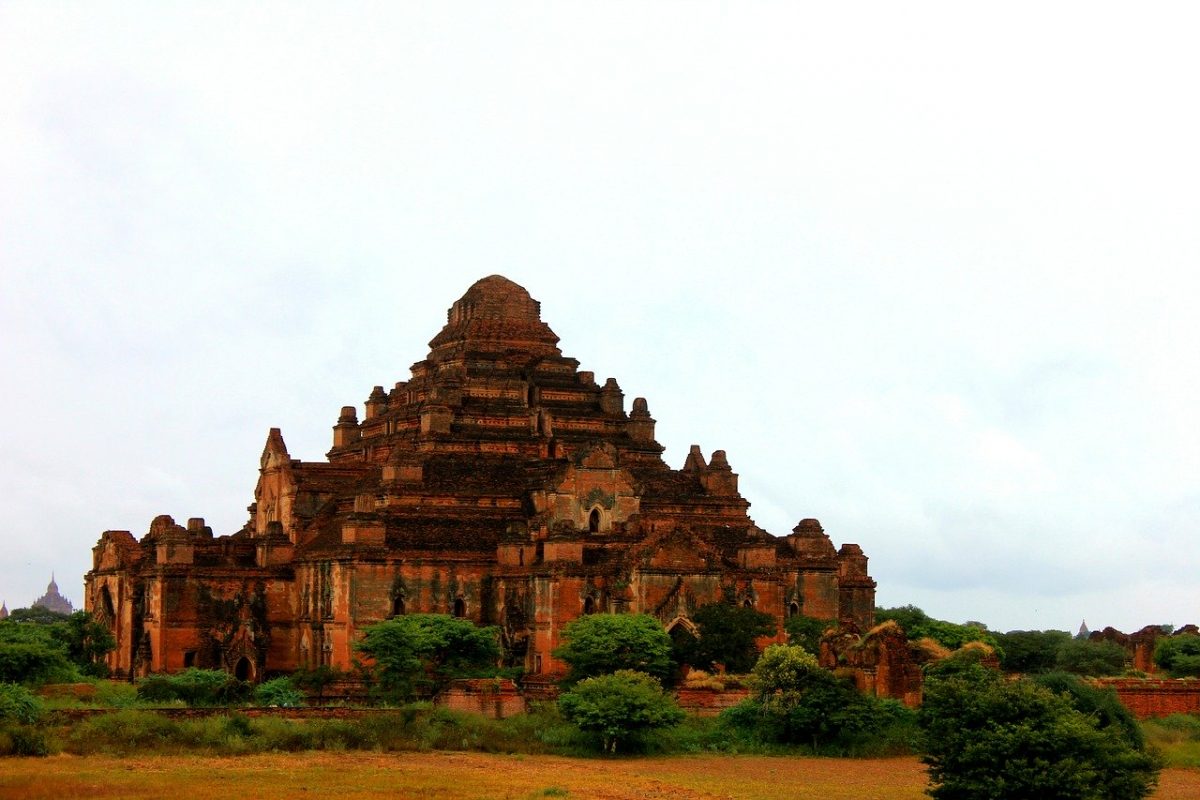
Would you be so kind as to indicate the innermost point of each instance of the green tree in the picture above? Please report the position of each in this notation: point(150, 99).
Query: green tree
point(317, 679)
point(619, 706)
point(36, 615)
point(784, 672)
point(196, 687)
point(281, 692)
point(597, 644)
point(988, 738)
point(919, 625)
point(85, 641)
point(19, 704)
point(727, 636)
point(1031, 652)
point(1101, 705)
point(1179, 655)
point(34, 663)
point(419, 654)
point(798, 702)
point(1084, 657)
point(807, 631)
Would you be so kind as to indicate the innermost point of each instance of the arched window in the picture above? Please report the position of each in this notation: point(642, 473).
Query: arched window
point(793, 609)
point(460, 607)
point(594, 521)
point(398, 606)
point(747, 603)
point(589, 606)
point(107, 601)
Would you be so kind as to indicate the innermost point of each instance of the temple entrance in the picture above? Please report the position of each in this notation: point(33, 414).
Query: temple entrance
point(684, 638)
point(243, 670)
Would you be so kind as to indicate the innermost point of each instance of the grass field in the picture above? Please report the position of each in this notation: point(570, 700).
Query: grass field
point(352, 776)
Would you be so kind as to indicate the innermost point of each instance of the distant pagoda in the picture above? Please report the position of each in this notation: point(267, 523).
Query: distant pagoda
point(53, 601)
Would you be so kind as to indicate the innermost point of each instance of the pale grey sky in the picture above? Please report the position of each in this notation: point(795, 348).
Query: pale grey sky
point(928, 272)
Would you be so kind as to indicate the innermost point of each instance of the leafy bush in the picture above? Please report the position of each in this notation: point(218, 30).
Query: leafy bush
point(1084, 657)
point(798, 703)
point(619, 706)
point(598, 644)
point(917, 624)
point(1102, 705)
point(34, 663)
point(727, 636)
point(418, 654)
point(195, 687)
point(807, 631)
point(19, 704)
point(1031, 652)
point(77, 640)
point(1179, 655)
point(279, 692)
point(986, 737)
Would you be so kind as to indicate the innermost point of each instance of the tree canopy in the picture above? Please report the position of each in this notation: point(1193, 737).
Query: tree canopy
point(919, 625)
point(42, 646)
point(1031, 652)
point(618, 706)
point(418, 654)
point(1084, 657)
point(995, 739)
point(596, 644)
point(1179, 655)
point(727, 636)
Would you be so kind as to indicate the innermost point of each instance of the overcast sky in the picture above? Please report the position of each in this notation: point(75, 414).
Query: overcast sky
point(928, 272)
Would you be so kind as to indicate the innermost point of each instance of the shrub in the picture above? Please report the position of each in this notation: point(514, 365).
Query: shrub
point(619, 706)
point(986, 737)
point(195, 687)
point(1179, 655)
point(32, 662)
point(418, 654)
point(807, 631)
point(727, 637)
point(1084, 657)
point(917, 624)
point(598, 644)
point(19, 704)
point(279, 692)
point(798, 703)
point(1031, 652)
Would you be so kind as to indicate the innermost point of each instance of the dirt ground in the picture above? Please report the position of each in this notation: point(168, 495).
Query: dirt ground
point(471, 776)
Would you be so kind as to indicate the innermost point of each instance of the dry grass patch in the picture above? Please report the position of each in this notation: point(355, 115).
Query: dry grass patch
point(471, 776)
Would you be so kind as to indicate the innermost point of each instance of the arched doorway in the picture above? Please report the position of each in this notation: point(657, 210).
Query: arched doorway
point(243, 670)
point(684, 638)
point(594, 521)
point(460, 607)
point(398, 606)
point(589, 606)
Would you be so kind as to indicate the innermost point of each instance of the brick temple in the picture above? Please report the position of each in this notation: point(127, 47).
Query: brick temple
point(499, 483)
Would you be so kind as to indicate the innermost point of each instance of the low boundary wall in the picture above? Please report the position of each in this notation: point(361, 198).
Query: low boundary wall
point(1155, 697)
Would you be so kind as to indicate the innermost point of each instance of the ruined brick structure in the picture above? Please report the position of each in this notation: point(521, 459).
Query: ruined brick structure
point(498, 483)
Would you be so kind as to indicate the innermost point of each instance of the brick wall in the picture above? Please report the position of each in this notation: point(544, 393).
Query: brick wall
point(1155, 697)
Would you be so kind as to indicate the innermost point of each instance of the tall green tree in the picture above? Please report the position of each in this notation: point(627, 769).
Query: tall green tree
point(1084, 657)
point(807, 631)
point(988, 738)
point(597, 644)
point(1031, 652)
point(418, 654)
point(919, 625)
point(619, 706)
point(727, 636)
point(1179, 655)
